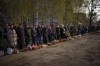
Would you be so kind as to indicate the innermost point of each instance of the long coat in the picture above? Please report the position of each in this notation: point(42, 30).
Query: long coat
point(12, 37)
point(27, 35)
point(21, 37)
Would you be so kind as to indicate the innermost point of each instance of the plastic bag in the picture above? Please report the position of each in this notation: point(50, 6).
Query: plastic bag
point(9, 51)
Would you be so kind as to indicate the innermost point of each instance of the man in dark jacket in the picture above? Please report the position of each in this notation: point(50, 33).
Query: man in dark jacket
point(5, 37)
point(21, 37)
point(50, 34)
point(72, 31)
point(62, 32)
point(27, 35)
point(0, 35)
point(38, 36)
point(44, 34)
point(33, 34)
point(5, 31)
point(58, 32)
point(79, 30)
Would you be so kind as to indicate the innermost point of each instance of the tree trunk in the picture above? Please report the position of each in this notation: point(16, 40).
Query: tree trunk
point(90, 21)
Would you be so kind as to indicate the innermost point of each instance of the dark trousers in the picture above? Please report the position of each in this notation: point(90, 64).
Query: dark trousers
point(50, 38)
point(38, 40)
point(27, 40)
point(58, 36)
point(21, 43)
point(45, 39)
point(33, 40)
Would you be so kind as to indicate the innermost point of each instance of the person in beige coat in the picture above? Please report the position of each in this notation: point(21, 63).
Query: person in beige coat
point(12, 37)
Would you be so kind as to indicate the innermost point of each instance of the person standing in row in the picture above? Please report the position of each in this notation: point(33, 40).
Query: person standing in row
point(44, 34)
point(62, 32)
point(21, 37)
point(12, 37)
point(27, 35)
point(58, 32)
point(50, 34)
point(33, 34)
point(38, 36)
point(0, 36)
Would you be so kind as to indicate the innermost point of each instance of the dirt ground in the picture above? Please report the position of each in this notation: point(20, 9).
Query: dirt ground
point(83, 51)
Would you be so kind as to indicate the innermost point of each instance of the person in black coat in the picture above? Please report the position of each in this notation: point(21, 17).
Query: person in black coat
point(84, 29)
point(79, 30)
point(5, 37)
point(38, 36)
point(21, 37)
point(54, 36)
point(73, 31)
point(62, 32)
point(1, 48)
point(50, 34)
point(44, 34)
point(27, 35)
point(5, 31)
point(33, 34)
point(58, 32)
point(0, 35)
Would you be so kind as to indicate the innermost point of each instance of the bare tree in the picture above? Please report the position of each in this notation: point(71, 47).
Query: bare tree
point(92, 6)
